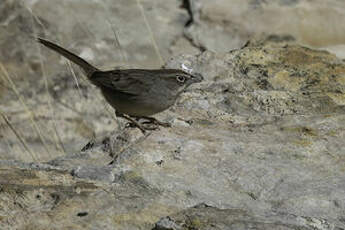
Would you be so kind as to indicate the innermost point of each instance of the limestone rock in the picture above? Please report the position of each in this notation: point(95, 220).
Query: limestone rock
point(259, 144)
point(223, 25)
point(260, 141)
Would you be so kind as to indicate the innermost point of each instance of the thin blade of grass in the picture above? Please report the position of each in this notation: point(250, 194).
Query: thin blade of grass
point(154, 43)
point(117, 42)
point(57, 138)
point(19, 137)
point(74, 77)
point(32, 116)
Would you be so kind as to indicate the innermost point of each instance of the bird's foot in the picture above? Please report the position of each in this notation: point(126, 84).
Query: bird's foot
point(142, 126)
point(152, 120)
point(132, 122)
point(151, 123)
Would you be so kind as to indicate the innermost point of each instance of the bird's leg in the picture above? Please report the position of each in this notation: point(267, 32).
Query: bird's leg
point(134, 122)
point(157, 122)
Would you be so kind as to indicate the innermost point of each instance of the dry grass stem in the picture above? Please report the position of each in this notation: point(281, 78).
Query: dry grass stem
point(35, 126)
point(117, 42)
point(154, 43)
point(19, 137)
point(57, 138)
point(74, 77)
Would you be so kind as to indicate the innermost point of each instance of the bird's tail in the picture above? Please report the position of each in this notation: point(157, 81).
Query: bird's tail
point(87, 67)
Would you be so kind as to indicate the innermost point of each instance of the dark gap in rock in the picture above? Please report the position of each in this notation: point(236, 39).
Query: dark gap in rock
point(186, 4)
point(81, 214)
point(198, 46)
point(88, 146)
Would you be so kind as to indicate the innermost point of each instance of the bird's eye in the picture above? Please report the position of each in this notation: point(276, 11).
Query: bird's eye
point(181, 79)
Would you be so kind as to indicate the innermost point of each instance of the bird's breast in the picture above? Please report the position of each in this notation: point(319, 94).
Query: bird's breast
point(144, 104)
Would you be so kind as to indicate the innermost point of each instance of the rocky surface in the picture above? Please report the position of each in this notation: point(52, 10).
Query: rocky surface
point(118, 36)
point(260, 141)
point(205, 217)
point(223, 25)
point(259, 144)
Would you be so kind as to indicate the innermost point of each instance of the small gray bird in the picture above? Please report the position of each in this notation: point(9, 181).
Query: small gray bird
point(134, 93)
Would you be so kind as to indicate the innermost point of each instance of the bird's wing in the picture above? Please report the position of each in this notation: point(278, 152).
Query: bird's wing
point(134, 82)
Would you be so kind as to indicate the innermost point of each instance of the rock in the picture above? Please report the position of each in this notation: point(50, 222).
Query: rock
point(206, 217)
point(69, 118)
point(259, 144)
point(224, 25)
point(260, 141)
point(166, 224)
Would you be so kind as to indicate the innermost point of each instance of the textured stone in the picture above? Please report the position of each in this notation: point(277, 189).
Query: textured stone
point(260, 141)
point(223, 25)
point(205, 217)
point(259, 144)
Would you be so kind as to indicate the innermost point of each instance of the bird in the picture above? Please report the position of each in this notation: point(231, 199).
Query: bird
point(134, 93)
